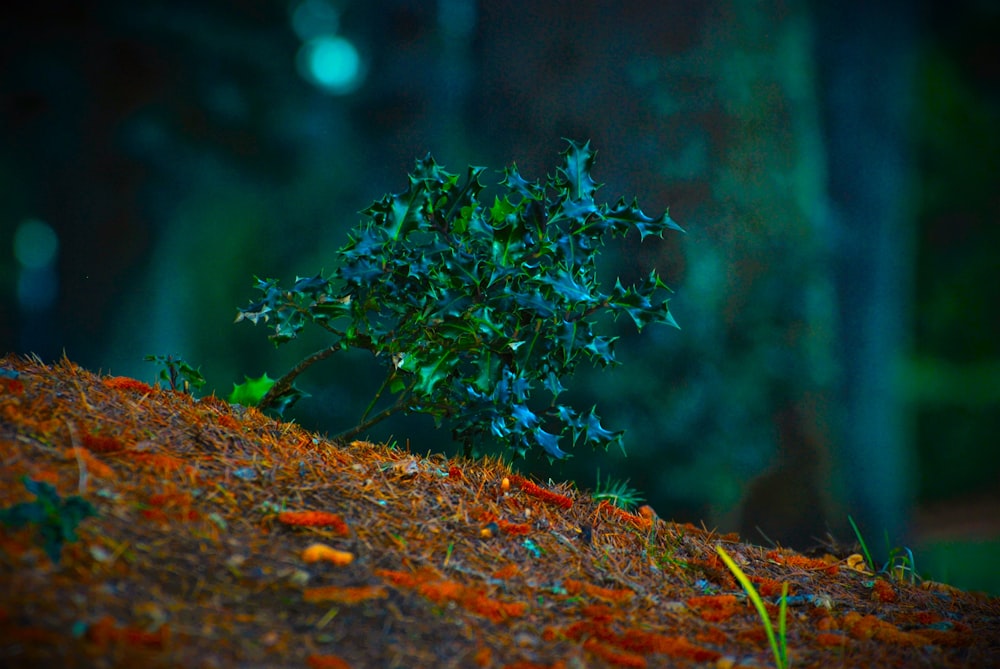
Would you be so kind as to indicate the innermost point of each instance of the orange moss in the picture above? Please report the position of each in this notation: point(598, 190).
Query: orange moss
point(483, 656)
point(641, 522)
point(12, 386)
point(324, 553)
point(94, 466)
point(830, 639)
point(326, 662)
point(169, 498)
point(159, 462)
point(155, 514)
point(106, 632)
point(598, 612)
point(125, 383)
point(694, 530)
point(514, 528)
point(228, 422)
point(506, 572)
point(755, 636)
point(650, 642)
point(769, 587)
point(802, 562)
point(314, 519)
point(712, 635)
point(870, 627)
point(14, 547)
point(614, 656)
point(98, 443)
point(344, 595)
point(826, 623)
point(882, 591)
point(401, 578)
point(440, 592)
point(493, 609)
point(46, 475)
point(615, 596)
point(547, 496)
point(714, 608)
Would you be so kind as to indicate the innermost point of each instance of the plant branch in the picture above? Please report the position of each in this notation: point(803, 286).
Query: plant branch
point(378, 395)
point(285, 382)
point(399, 405)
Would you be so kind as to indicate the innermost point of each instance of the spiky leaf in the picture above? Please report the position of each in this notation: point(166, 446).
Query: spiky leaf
point(471, 307)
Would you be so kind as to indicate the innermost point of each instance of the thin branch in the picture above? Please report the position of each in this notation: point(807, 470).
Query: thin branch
point(378, 395)
point(285, 382)
point(400, 405)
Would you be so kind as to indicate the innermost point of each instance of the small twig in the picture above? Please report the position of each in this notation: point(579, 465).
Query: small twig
point(378, 395)
point(285, 382)
point(401, 403)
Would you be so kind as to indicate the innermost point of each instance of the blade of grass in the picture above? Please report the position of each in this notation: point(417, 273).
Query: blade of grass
point(861, 540)
point(779, 646)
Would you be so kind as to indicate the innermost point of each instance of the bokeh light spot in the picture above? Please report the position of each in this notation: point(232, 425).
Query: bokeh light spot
point(332, 63)
point(35, 244)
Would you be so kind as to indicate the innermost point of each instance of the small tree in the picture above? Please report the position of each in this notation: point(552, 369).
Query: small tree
point(469, 308)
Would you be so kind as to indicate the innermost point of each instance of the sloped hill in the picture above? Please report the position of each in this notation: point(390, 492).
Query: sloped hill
point(223, 538)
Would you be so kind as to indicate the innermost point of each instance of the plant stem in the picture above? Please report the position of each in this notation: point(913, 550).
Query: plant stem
point(864, 548)
point(779, 646)
point(285, 382)
point(400, 405)
point(378, 394)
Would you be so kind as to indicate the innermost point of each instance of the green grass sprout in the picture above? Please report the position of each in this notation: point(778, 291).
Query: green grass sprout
point(779, 644)
point(901, 564)
point(618, 493)
point(864, 547)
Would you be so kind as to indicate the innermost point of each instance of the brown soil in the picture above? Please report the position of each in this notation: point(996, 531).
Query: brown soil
point(225, 538)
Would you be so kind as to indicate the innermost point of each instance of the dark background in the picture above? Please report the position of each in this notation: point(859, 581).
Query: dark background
point(835, 166)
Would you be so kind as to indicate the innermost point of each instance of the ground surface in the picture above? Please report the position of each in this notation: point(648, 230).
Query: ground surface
point(224, 538)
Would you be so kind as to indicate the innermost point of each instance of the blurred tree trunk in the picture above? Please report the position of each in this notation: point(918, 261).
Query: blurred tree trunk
point(768, 185)
point(866, 53)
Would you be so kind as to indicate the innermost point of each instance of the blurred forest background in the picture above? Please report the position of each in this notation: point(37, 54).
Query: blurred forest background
point(834, 163)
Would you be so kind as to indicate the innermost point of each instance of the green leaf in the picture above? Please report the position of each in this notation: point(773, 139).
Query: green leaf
point(568, 288)
point(637, 302)
point(251, 391)
point(579, 160)
point(520, 187)
point(628, 215)
point(593, 433)
point(550, 444)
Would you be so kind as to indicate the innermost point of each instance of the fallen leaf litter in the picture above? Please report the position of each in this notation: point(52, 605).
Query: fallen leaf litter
point(226, 538)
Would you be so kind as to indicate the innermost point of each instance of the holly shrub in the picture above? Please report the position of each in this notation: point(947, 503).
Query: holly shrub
point(472, 309)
